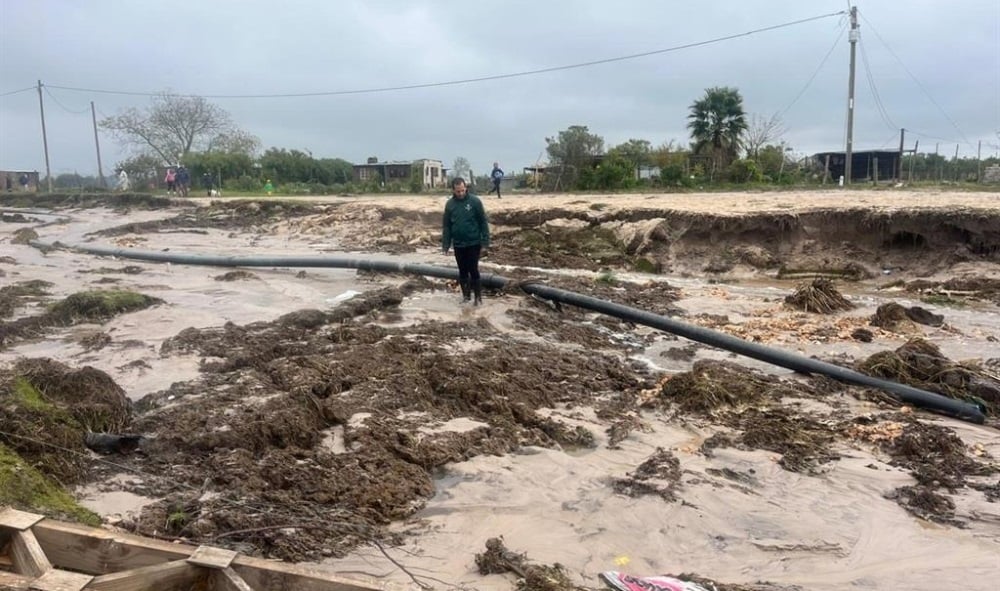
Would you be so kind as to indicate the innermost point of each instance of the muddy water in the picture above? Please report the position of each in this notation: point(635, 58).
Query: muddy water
point(820, 532)
point(826, 531)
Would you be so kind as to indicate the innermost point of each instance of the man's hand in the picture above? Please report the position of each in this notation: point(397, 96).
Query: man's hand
point(484, 252)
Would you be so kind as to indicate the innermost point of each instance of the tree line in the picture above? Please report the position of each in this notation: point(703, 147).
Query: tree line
point(726, 146)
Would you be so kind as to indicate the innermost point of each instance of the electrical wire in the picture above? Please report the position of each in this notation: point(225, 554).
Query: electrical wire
point(10, 92)
point(816, 72)
point(62, 106)
point(470, 80)
point(879, 105)
point(918, 83)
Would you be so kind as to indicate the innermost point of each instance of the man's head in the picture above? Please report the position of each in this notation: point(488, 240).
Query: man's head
point(496, 165)
point(458, 188)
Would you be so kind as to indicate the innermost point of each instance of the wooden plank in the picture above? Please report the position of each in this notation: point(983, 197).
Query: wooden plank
point(98, 551)
point(227, 580)
point(212, 557)
point(176, 575)
point(61, 580)
point(19, 520)
point(14, 582)
point(278, 576)
point(27, 555)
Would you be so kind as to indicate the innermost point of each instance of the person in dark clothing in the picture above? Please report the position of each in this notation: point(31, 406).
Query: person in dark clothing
point(24, 181)
point(497, 176)
point(8, 184)
point(183, 181)
point(465, 227)
point(206, 181)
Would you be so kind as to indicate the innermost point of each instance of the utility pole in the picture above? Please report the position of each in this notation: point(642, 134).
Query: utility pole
point(979, 162)
point(853, 38)
point(45, 140)
point(899, 163)
point(100, 171)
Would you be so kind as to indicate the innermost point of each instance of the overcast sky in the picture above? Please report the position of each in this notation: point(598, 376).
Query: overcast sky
point(935, 65)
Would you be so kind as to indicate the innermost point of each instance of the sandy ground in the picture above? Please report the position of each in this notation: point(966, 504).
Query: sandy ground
point(825, 531)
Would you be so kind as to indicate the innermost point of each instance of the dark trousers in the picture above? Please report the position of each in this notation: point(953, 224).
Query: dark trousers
point(467, 258)
point(496, 187)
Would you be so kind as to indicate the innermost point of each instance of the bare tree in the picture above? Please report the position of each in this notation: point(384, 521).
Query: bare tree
point(761, 132)
point(173, 126)
point(461, 168)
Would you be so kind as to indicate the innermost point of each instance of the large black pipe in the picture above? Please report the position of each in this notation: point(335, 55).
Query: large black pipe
point(327, 261)
point(799, 363)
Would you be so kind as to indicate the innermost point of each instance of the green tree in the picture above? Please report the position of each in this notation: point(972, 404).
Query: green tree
point(173, 126)
point(637, 153)
point(573, 151)
point(718, 123)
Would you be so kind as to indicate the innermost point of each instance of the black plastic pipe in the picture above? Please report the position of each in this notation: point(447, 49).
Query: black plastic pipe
point(800, 363)
point(338, 262)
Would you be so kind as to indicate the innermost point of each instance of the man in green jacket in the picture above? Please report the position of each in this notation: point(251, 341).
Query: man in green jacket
point(466, 228)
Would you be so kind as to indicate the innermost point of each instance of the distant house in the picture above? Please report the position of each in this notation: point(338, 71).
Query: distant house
point(432, 171)
point(866, 165)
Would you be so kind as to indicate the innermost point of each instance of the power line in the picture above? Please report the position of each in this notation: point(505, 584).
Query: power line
point(62, 106)
point(10, 92)
point(879, 106)
point(471, 80)
point(816, 72)
point(918, 83)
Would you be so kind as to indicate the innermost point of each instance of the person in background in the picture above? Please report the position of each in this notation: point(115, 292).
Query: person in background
point(171, 179)
point(8, 183)
point(24, 180)
point(206, 181)
point(497, 177)
point(183, 181)
point(123, 184)
point(268, 187)
point(465, 227)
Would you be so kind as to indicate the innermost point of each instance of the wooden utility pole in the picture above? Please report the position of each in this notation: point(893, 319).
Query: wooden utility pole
point(899, 163)
point(100, 171)
point(916, 146)
point(853, 38)
point(955, 160)
point(45, 140)
point(979, 162)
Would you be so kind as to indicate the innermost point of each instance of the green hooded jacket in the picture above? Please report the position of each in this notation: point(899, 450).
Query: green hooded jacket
point(464, 223)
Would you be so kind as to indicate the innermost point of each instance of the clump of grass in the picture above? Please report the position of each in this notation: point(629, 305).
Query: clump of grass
point(25, 488)
point(98, 306)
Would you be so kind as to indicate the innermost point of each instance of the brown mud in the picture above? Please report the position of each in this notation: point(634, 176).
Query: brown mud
point(315, 433)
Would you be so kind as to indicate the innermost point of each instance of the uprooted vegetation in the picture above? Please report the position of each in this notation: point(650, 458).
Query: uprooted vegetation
point(336, 426)
point(820, 296)
point(222, 215)
point(84, 306)
point(921, 364)
point(47, 409)
point(15, 295)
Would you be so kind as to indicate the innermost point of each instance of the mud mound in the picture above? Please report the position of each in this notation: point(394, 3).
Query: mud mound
point(957, 288)
point(48, 407)
point(714, 387)
point(227, 215)
point(657, 297)
point(803, 443)
point(87, 306)
point(23, 236)
point(920, 363)
point(820, 297)
point(12, 296)
point(115, 200)
point(559, 247)
point(659, 475)
point(238, 275)
point(127, 270)
point(897, 318)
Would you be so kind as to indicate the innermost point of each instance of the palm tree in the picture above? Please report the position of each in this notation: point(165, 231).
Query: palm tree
point(717, 123)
